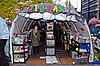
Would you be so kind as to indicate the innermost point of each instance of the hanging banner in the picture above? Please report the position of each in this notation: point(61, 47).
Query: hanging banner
point(51, 8)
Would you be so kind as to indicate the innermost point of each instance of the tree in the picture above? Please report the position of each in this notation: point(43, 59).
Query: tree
point(7, 6)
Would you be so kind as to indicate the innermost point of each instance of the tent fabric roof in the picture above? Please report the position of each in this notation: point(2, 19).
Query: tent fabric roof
point(25, 19)
point(72, 21)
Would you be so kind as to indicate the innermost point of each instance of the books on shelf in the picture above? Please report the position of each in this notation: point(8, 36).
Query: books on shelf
point(20, 39)
point(50, 35)
point(19, 60)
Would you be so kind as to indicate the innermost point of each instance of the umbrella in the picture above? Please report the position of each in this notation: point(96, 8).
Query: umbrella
point(48, 16)
point(26, 15)
point(93, 22)
point(35, 15)
point(61, 17)
point(22, 14)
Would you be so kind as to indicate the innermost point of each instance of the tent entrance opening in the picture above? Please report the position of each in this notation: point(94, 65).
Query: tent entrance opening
point(60, 37)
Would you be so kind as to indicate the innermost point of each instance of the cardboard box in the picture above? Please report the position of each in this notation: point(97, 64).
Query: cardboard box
point(50, 51)
point(51, 43)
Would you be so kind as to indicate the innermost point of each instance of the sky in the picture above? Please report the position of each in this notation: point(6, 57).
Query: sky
point(74, 3)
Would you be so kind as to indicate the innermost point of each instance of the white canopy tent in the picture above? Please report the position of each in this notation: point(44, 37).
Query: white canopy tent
point(73, 21)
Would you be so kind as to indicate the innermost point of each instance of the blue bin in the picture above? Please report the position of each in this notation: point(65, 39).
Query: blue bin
point(84, 47)
point(95, 62)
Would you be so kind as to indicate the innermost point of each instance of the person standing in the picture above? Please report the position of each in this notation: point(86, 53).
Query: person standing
point(35, 37)
point(4, 35)
point(7, 46)
point(61, 36)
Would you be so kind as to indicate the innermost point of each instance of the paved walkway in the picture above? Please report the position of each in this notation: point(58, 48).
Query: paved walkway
point(48, 65)
point(62, 58)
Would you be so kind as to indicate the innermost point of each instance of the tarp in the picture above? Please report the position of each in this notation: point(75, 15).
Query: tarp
point(94, 25)
point(94, 21)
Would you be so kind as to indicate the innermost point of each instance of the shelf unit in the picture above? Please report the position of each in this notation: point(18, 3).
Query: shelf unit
point(50, 47)
point(80, 54)
point(20, 48)
point(50, 41)
point(20, 53)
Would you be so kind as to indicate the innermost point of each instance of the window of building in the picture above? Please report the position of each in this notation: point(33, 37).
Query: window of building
point(92, 14)
point(94, 7)
point(93, 2)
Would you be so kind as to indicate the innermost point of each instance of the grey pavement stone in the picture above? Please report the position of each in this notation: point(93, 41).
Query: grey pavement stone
point(48, 65)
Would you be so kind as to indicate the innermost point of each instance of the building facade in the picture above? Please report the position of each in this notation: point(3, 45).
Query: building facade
point(90, 8)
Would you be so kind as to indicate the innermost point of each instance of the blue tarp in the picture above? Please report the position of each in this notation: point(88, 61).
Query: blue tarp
point(95, 62)
point(93, 29)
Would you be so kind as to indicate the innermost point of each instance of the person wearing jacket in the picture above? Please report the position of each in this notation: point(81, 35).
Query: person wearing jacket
point(4, 35)
point(35, 37)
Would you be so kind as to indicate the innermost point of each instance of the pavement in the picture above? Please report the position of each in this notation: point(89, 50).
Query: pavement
point(48, 65)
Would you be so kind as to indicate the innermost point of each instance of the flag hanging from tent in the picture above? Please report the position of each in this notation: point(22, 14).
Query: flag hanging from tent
point(29, 10)
point(69, 6)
